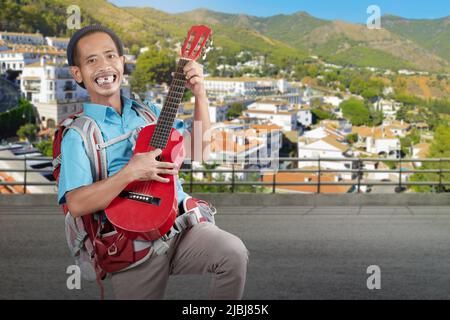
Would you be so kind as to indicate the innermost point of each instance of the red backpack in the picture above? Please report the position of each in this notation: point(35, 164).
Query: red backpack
point(96, 247)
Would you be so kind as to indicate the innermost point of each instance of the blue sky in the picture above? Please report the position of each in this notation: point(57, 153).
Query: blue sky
point(348, 10)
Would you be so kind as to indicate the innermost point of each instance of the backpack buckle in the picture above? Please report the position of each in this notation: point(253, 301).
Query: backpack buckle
point(112, 250)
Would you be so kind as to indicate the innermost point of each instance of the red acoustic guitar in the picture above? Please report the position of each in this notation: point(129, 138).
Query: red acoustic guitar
point(147, 209)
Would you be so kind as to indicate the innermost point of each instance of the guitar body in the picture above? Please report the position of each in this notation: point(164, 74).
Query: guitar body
point(146, 210)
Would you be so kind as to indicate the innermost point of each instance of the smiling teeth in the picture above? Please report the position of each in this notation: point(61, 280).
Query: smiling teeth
point(107, 80)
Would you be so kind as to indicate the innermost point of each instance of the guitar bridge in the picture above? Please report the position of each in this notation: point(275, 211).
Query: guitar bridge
point(140, 197)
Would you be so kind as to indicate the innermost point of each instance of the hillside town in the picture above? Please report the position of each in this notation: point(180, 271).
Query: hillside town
point(255, 120)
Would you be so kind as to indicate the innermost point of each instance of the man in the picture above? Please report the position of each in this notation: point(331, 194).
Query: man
point(95, 56)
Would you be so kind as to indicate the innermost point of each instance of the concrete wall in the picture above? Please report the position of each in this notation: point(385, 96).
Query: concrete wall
point(259, 199)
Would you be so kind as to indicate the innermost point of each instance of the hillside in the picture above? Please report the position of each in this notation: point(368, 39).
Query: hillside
point(433, 35)
point(402, 43)
point(334, 39)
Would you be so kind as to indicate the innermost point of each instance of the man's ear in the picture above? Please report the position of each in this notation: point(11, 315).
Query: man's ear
point(76, 73)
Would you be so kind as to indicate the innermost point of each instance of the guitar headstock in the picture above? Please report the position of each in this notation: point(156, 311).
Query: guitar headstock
point(196, 41)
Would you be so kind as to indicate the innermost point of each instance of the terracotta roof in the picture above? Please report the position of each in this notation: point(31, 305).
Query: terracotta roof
point(270, 126)
point(398, 124)
point(9, 189)
point(38, 64)
point(59, 39)
point(291, 135)
point(239, 79)
point(30, 78)
point(424, 149)
point(185, 116)
point(300, 177)
point(270, 112)
point(275, 102)
point(421, 125)
point(332, 141)
point(38, 51)
point(374, 132)
point(21, 34)
point(188, 105)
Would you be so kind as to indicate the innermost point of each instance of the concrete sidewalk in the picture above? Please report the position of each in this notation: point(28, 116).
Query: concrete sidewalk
point(296, 252)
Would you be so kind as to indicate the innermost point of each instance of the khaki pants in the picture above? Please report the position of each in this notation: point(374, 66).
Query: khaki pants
point(205, 248)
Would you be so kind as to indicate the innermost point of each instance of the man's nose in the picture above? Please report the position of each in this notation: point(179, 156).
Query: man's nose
point(105, 63)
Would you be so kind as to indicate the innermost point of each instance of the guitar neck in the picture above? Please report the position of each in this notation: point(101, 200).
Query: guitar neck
point(169, 111)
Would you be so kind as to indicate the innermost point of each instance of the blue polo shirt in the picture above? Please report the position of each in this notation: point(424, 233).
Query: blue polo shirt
point(75, 166)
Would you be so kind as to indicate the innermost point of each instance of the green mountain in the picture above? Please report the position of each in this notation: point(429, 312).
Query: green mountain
point(397, 44)
point(433, 35)
point(284, 39)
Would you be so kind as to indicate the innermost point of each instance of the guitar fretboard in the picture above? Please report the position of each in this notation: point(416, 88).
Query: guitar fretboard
point(169, 111)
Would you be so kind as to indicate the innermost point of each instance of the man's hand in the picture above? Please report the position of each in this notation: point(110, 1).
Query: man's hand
point(144, 166)
point(195, 79)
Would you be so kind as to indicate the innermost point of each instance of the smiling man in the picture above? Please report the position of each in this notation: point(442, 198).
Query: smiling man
point(95, 56)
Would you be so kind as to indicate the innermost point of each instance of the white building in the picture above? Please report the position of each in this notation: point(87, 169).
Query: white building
point(22, 38)
point(389, 108)
point(12, 60)
point(269, 105)
point(332, 100)
point(19, 56)
point(396, 128)
point(221, 86)
point(286, 119)
point(304, 117)
point(230, 86)
point(327, 147)
point(51, 88)
point(218, 113)
point(59, 43)
point(384, 146)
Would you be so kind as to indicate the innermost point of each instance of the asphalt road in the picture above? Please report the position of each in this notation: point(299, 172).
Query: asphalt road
point(295, 253)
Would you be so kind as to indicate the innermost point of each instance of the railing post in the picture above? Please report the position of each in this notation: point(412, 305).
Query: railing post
point(232, 177)
point(359, 175)
point(25, 174)
point(400, 174)
point(274, 186)
point(191, 184)
point(318, 175)
point(440, 176)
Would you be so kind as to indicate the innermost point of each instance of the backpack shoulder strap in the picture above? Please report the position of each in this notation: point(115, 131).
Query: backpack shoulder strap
point(142, 109)
point(92, 137)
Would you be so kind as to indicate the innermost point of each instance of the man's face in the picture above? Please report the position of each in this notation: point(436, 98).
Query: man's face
point(99, 65)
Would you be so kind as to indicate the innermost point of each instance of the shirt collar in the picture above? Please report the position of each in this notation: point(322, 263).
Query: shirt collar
point(101, 112)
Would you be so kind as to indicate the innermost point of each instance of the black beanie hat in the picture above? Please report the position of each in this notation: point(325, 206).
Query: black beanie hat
point(87, 30)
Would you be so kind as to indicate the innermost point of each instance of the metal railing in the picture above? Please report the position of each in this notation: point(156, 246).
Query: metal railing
point(357, 173)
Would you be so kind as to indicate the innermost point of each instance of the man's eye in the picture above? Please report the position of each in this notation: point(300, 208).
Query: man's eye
point(112, 55)
point(92, 60)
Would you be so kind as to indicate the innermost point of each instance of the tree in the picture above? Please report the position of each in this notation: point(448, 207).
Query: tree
point(320, 114)
point(355, 111)
point(440, 148)
point(45, 147)
point(12, 119)
point(351, 138)
point(28, 131)
point(235, 110)
point(152, 67)
point(135, 50)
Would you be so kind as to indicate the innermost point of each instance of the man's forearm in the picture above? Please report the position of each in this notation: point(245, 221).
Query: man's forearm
point(97, 196)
